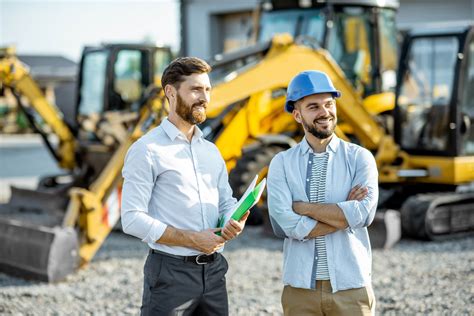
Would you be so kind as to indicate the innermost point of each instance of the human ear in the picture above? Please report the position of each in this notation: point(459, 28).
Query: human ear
point(170, 91)
point(297, 115)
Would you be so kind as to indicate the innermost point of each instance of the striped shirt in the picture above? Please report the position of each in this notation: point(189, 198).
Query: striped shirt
point(316, 194)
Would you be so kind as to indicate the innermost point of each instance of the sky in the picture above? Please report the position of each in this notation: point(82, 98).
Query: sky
point(63, 27)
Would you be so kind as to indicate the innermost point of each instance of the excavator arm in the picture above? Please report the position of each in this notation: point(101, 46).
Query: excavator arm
point(15, 75)
point(97, 208)
point(50, 243)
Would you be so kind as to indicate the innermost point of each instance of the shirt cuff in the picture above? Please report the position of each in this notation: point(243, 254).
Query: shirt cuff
point(304, 227)
point(156, 231)
point(353, 217)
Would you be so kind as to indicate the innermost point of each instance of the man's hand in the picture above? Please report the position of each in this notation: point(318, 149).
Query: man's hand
point(233, 228)
point(207, 241)
point(357, 193)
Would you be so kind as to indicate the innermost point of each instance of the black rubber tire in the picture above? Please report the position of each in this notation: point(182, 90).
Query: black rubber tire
point(251, 163)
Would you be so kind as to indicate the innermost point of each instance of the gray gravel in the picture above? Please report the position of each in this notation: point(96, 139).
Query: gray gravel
point(414, 277)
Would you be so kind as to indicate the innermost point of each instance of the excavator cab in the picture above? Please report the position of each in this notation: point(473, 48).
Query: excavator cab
point(361, 36)
point(49, 232)
point(112, 87)
point(434, 99)
point(433, 116)
point(113, 78)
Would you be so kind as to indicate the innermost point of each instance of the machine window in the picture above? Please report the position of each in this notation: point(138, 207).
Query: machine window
point(93, 83)
point(467, 105)
point(278, 22)
point(307, 22)
point(128, 78)
point(351, 45)
point(388, 49)
point(426, 91)
point(162, 59)
point(314, 25)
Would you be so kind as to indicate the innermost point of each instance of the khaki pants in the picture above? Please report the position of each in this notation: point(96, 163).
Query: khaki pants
point(322, 301)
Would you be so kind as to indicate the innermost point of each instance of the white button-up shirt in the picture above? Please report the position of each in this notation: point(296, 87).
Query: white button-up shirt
point(349, 255)
point(171, 181)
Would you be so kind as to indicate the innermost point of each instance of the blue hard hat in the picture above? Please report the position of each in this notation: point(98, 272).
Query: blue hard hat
point(307, 83)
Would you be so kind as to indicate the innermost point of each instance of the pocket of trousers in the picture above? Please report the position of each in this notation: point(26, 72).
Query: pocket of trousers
point(153, 268)
point(370, 296)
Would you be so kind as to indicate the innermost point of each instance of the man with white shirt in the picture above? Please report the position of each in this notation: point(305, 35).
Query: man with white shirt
point(175, 190)
point(322, 194)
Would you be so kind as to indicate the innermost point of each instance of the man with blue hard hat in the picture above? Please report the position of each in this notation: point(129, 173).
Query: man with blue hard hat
point(322, 195)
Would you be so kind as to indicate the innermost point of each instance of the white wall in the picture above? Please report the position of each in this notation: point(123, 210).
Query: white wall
point(63, 27)
point(413, 12)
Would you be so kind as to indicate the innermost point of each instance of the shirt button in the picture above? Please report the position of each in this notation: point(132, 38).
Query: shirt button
point(309, 162)
point(307, 179)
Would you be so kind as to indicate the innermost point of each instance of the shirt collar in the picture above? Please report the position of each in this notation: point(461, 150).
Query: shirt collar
point(332, 146)
point(172, 131)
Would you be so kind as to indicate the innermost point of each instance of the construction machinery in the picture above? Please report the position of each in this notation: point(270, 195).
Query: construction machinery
point(49, 232)
point(247, 123)
point(420, 168)
point(424, 155)
point(432, 185)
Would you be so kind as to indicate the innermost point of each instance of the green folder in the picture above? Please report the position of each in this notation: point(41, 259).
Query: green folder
point(249, 199)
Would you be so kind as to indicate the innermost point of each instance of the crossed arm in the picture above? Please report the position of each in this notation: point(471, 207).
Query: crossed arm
point(299, 220)
point(329, 216)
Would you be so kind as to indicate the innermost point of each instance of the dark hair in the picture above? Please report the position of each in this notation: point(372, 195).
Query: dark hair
point(181, 67)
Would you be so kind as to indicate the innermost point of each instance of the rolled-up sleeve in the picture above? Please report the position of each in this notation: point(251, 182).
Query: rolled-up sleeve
point(280, 205)
point(361, 213)
point(139, 174)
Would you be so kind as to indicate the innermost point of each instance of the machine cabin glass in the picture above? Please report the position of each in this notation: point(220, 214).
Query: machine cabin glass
point(467, 103)
point(351, 43)
point(309, 22)
point(92, 82)
point(425, 105)
point(128, 79)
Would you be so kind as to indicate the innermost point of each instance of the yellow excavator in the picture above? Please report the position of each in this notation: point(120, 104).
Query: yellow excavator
point(49, 232)
point(247, 110)
point(245, 117)
point(426, 167)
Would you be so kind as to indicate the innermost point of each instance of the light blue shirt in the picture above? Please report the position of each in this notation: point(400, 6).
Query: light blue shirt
point(171, 181)
point(349, 253)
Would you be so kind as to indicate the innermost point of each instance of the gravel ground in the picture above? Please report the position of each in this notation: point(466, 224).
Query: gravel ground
point(414, 277)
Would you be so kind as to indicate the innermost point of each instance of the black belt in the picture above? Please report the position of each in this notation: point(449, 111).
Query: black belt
point(199, 259)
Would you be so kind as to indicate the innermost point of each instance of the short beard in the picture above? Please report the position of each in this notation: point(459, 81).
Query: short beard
point(187, 113)
point(320, 134)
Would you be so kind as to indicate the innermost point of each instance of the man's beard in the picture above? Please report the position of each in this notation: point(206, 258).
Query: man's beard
point(320, 133)
point(189, 113)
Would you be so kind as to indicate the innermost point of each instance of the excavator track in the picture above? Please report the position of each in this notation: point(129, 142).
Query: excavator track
point(438, 216)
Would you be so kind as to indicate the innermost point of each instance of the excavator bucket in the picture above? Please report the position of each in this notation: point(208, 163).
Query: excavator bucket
point(385, 230)
point(33, 242)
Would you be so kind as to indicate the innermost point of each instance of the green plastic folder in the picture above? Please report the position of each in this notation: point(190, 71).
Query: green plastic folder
point(249, 199)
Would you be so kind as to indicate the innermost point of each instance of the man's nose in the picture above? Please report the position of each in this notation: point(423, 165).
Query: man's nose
point(325, 112)
point(205, 97)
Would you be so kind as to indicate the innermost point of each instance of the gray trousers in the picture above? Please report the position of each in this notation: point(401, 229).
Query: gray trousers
point(174, 287)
